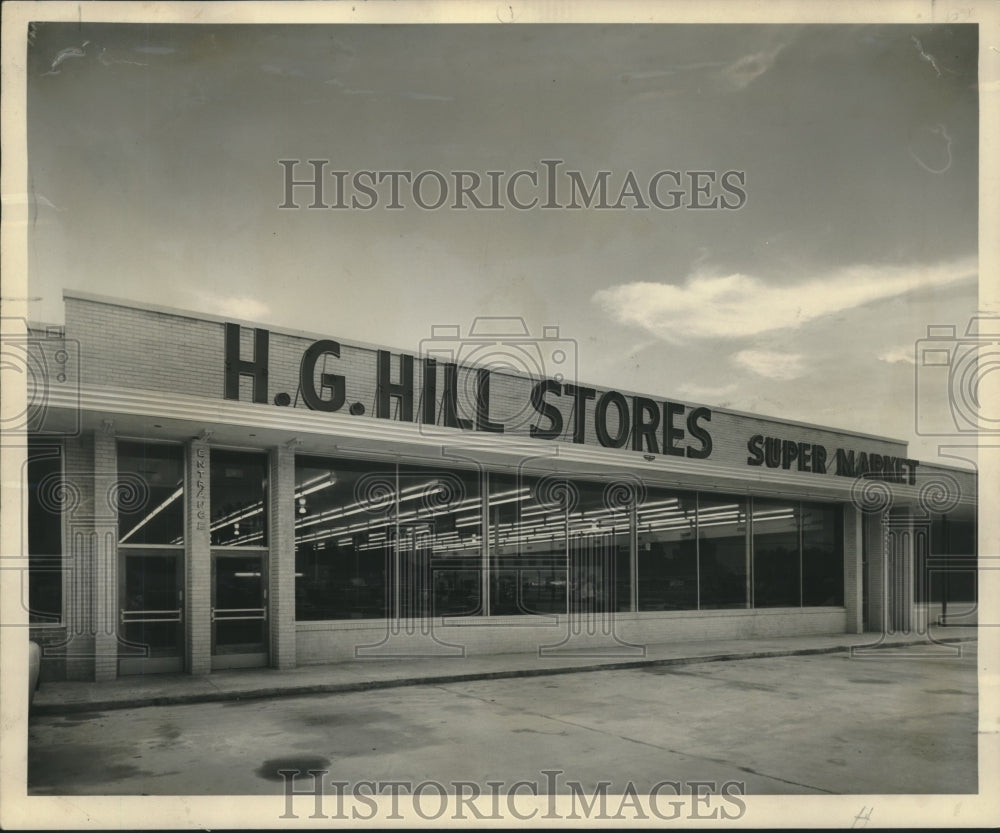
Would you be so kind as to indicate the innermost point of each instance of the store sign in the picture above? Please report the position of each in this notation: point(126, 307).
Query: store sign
point(646, 425)
point(775, 452)
point(553, 409)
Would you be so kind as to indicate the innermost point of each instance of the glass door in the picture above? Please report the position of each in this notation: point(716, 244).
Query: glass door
point(151, 611)
point(239, 610)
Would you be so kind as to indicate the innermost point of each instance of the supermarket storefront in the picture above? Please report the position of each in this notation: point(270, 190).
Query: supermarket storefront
point(208, 494)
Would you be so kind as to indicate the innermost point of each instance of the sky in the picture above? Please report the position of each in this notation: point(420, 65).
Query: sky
point(154, 175)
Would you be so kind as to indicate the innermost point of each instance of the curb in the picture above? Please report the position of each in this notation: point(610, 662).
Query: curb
point(45, 709)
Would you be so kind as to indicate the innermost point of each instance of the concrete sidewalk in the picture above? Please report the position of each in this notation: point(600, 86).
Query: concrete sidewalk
point(364, 674)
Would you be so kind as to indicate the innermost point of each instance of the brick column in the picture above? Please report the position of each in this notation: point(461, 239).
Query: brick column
point(919, 576)
point(875, 540)
point(899, 577)
point(281, 559)
point(197, 560)
point(104, 587)
point(852, 567)
point(78, 525)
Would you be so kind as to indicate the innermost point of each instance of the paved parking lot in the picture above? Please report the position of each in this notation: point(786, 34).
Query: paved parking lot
point(815, 724)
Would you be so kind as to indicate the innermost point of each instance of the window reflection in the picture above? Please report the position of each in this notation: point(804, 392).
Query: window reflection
point(822, 555)
point(439, 542)
point(953, 548)
point(238, 496)
point(150, 493)
point(558, 545)
point(722, 551)
point(45, 546)
point(776, 568)
point(667, 551)
point(375, 540)
point(151, 602)
point(599, 575)
point(372, 542)
point(528, 544)
point(343, 509)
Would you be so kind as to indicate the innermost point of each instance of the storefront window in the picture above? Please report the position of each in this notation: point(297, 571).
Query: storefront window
point(440, 542)
point(722, 551)
point(527, 543)
point(776, 568)
point(667, 551)
point(44, 590)
point(599, 579)
point(344, 511)
point(377, 540)
point(239, 498)
point(150, 490)
point(822, 555)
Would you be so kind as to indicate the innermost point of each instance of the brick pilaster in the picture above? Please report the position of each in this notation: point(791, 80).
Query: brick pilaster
point(197, 560)
point(898, 594)
point(77, 518)
point(875, 541)
point(852, 568)
point(281, 561)
point(104, 587)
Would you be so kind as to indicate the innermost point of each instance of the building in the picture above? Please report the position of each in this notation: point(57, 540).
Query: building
point(205, 493)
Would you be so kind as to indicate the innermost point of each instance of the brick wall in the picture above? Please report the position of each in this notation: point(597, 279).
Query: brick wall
point(319, 642)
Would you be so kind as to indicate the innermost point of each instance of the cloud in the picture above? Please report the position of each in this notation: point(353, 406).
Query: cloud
point(899, 354)
point(773, 365)
point(426, 96)
point(65, 54)
point(703, 393)
point(244, 307)
point(744, 70)
point(272, 69)
point(108, 61)
point(670, 69)
point(152, 49)
point(241, 306)
point(737, 306)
